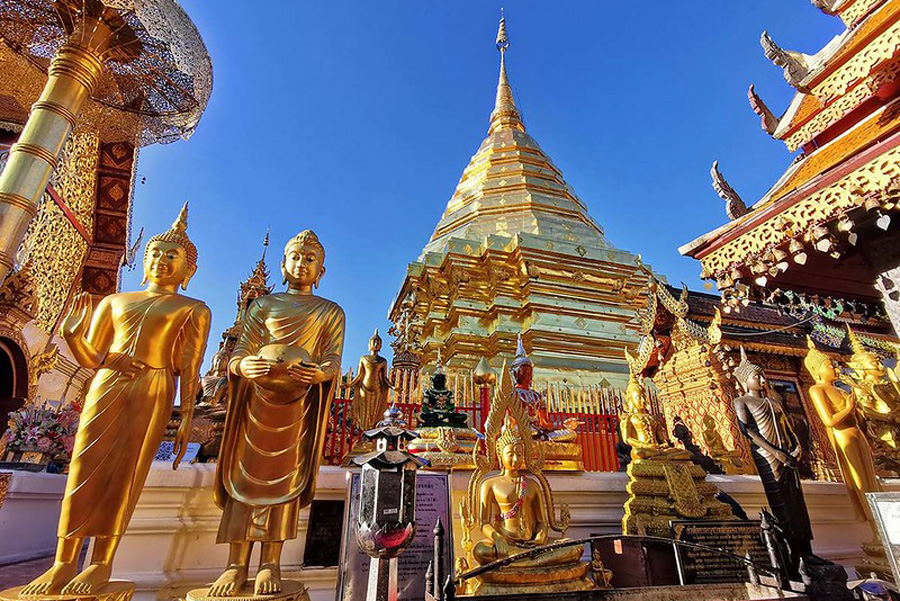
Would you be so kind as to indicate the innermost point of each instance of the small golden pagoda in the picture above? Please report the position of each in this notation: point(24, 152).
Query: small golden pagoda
point(516, 251)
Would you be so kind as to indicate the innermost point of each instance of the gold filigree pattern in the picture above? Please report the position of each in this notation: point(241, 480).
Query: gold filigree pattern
point(857, 10)
point(816, 208)
point(842, 106)
point(884, 48)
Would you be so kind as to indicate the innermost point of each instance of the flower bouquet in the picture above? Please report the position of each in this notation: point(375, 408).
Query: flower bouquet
point(39, 434)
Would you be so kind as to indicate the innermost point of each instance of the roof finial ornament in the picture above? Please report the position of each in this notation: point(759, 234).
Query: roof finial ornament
point(795, 64)
point(735, 207)
point(505, 114)
point(769, 120)
point(826, 6)
point(265, 246)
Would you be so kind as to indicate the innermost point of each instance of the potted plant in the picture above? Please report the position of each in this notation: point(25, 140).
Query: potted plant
point(39, 434)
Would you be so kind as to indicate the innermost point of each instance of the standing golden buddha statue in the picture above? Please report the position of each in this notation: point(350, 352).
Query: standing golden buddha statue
point(282, 378)
point(878, 402)
point(144, 345)
point(838, 412)
point(370, 387)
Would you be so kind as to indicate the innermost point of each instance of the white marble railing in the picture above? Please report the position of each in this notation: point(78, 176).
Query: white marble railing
point(170, 544)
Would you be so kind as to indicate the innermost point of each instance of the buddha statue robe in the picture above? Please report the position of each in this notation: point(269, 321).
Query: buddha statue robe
point(124, 418)
point(271, 450)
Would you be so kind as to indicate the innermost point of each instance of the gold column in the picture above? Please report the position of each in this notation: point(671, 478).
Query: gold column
point(71, 79)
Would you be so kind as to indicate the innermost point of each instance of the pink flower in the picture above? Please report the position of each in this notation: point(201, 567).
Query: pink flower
point(44, 443)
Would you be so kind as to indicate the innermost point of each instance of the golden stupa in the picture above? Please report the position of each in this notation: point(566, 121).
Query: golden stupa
point(517, 252)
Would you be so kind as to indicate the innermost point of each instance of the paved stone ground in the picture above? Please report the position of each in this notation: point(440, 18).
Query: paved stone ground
point(17, 574)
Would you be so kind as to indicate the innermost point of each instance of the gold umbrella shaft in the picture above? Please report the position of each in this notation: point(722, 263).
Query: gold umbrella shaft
point(71, 79)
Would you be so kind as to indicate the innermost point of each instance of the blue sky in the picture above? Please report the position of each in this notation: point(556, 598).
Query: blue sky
point(356, 119)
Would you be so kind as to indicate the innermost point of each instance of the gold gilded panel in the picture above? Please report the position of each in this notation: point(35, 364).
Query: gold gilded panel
point(860, 66)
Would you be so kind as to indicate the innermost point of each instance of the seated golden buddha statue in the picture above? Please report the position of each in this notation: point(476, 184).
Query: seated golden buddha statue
point(729, 459)
point(877, 396)
point(663, 483)
point(560, 445)
point(513, 510)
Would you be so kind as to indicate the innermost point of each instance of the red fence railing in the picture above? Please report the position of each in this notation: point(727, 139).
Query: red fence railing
point(597, 408)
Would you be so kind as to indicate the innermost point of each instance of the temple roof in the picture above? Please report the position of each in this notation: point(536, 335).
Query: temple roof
point(511, 186)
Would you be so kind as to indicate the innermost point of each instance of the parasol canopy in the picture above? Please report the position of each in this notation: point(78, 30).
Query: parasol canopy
point(156, 65)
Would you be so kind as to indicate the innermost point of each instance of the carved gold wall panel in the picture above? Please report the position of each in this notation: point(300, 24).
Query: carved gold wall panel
point(53, 245)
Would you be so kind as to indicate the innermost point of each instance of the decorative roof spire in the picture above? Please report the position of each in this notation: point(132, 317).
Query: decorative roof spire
point(735, 207)
point(768, 120)
point(505, 114)
point(795, 64)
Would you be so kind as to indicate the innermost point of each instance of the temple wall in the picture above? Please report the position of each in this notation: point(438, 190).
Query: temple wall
point(169, 546)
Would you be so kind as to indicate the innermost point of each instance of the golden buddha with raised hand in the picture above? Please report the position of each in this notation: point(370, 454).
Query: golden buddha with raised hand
point(282, 377)
point(144, 345)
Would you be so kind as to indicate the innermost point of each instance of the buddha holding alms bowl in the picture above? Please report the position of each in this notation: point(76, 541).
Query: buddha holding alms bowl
point(282, 376)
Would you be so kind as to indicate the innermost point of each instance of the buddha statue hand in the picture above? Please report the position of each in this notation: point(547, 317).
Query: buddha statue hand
point(306, 373)
point(501, 546)
point(253, 367)
point(123, 363)
point(78, 320)
point(182, 438)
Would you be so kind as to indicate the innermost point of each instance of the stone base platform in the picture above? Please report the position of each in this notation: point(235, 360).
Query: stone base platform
point(29, 514)
point(169, 547)
point(291, 590)
point(117, 590)
point(694, 592)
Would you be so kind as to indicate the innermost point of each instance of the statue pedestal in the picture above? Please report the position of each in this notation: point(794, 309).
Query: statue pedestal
point(116, 590)
point(660, 490)
point(445, 448)
point(291, 590)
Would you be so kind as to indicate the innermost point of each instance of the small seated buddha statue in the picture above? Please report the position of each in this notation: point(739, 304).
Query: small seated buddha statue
point(646, 433)
point(514, 517)
point(729, 459)
point(663, 483)
point(561, 448)
point(445, 439)
point(877, 396)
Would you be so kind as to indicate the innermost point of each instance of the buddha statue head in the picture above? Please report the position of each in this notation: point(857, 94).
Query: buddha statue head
point(750, 376)
point(818, 364)
point(170, 258)
point(864, 362)
point(522, 367)
point(635, 397)
point(303, 264)
point(375, 343)
point(511, 449)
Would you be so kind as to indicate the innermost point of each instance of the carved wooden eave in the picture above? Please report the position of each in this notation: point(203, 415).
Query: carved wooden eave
point(18, 297)
point(857, 66)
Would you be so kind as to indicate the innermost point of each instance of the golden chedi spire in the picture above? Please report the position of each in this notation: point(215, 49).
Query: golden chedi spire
point(505, 113)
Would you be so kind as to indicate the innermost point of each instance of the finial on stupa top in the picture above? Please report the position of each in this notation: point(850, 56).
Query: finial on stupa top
point(265, 246)
point(505, 114)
